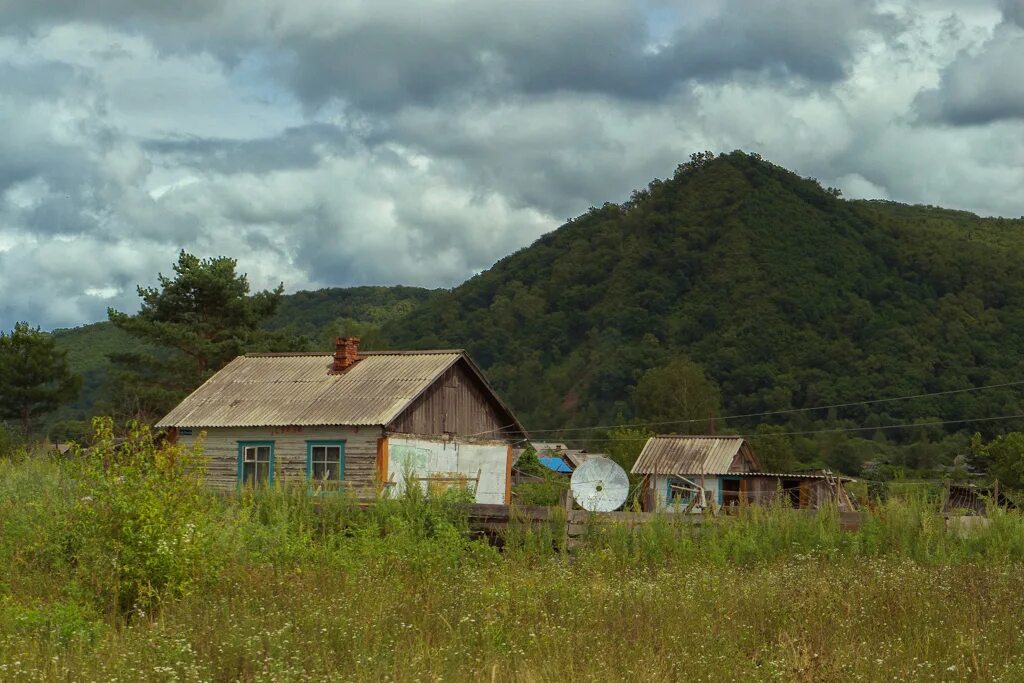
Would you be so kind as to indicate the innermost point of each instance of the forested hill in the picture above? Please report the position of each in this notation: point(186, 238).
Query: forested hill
point(784, 295)
point(787, 295)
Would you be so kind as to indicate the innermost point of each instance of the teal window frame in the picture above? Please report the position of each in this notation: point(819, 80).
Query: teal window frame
point(668, 492)
point(242, 445)
point(340, 443)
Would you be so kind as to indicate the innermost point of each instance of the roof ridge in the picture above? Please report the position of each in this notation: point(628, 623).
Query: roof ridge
point(698, 436)
point(285, 354)
point(327, 354)
point(414, 352)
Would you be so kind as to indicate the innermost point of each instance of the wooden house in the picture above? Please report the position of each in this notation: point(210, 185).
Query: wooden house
point(359, 419)
point(694, 473)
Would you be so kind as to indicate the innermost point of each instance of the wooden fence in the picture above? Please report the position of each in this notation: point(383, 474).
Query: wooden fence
point(494, 520)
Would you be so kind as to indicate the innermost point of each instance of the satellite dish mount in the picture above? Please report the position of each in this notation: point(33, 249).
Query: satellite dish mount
point(599, 485)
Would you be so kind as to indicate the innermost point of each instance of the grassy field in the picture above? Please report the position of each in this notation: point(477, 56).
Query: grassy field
point(118, 566)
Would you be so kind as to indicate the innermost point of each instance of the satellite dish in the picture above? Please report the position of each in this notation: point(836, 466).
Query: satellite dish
point(599, 485)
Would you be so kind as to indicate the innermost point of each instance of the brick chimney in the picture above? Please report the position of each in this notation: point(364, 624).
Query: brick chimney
point(346, 353)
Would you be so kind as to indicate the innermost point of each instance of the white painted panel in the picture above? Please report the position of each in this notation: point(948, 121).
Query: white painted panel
point(421, 457)
point(490, 461)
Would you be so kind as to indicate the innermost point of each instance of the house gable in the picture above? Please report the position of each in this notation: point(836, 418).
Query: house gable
point(745, 461)
point(457, 403)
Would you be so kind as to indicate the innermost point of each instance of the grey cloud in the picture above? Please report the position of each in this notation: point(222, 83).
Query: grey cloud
point(589, 48)
point(1013, 11)
point(982, 86)
point(29, 14)
point(48, 281)
point(388, 54)
point(297, 147)
point(813, 39)
point(27, 149)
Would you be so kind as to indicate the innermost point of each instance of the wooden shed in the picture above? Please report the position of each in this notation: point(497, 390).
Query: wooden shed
point(972, 500)
point(694, 473)
point(352, 419)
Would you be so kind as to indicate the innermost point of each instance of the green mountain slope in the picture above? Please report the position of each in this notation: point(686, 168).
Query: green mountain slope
point(788, 296)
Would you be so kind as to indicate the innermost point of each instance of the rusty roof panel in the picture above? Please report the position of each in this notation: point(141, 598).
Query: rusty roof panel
point(688, 455)
point(268, 390)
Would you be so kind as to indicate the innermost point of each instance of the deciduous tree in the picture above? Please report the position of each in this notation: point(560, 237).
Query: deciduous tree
point(679, 397)
point(1003, 458)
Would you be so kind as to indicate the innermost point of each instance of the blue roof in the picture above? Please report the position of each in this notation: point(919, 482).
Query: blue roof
point(556, 464)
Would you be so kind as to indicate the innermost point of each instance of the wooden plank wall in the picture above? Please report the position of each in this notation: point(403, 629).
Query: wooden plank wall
point(814, 492)
point(221, 450)
point(455, 404)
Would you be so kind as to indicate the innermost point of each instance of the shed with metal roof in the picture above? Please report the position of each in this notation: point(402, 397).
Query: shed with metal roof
point(696, 455)
point(694, 473)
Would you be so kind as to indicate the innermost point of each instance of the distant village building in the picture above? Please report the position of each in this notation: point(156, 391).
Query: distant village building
point(359, 419)
point(548, 447)
point(973, 500)
point(558, 457)
point(555, 464)
point(693, 473)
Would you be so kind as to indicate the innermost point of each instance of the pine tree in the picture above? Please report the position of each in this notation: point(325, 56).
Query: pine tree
point(193, 324)
point(34, 376)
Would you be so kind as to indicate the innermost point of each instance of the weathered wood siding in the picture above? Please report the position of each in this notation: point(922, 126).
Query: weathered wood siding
point(221, 449)
point(811, 493)
point(762, 489)
point(456, 404)
point(744, 460)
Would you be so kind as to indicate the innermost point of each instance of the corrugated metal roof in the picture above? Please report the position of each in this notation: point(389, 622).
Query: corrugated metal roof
point(269, 390)
point(798, 475)
point(688, 455)
point(578, 457)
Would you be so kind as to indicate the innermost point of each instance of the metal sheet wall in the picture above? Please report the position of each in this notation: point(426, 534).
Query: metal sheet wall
point(421, 457)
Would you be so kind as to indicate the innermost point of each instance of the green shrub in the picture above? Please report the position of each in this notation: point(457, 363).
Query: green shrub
point(547, 492)
point(59, 623)
point(141, 528)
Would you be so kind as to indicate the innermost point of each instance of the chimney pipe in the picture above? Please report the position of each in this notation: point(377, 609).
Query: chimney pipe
point(346, 353)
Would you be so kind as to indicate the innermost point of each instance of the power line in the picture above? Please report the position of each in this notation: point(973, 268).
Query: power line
point(831, 431)
point(770, 413)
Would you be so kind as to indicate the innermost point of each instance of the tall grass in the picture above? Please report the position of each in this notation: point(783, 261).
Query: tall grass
point(294, 587)
point(909, 528)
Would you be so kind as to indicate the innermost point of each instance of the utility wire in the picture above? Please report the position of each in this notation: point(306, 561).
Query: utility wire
point(769, 413)
point(829, 431)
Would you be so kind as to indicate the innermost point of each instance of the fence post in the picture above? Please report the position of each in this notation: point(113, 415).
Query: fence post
point(566, 505)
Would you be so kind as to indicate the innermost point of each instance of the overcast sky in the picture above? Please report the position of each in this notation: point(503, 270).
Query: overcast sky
point(345, 142)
